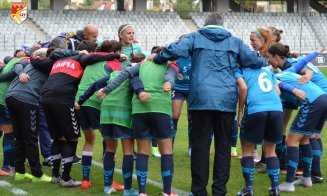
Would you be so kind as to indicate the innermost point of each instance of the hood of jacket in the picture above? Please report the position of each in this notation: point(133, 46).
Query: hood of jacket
point(214, 32)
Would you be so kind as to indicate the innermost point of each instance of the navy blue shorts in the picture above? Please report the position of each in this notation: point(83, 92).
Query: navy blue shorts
point(152, 125)
point(116, 131)
point(89, 118)
point(261, 126)
point(5, 117)
point(179, 95)
point(289, 105)
point(311, 117)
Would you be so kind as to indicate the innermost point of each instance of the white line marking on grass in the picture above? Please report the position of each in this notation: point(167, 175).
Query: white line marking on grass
point(4, 183)
point(149, 181)
point(14, 190)
point(17, 191)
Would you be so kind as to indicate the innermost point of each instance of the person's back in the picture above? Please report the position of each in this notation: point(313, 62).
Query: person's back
point(318, 77)
point(152, 78)
point(212, 96)
point(311, 90)
point(182, 82)
point(215, 54)
point(261, 95)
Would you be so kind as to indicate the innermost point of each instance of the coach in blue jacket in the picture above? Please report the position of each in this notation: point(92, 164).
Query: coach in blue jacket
point(212, 97)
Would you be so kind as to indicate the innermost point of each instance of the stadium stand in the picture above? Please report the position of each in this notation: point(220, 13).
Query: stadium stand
point(151, 28)
point(13, 36)
point(296, 27)
point(160, 28)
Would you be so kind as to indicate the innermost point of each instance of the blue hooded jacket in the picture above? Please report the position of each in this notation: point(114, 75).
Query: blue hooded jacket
point(215, 55)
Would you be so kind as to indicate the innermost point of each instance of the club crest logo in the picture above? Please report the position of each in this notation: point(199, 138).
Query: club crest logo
point(19, 11)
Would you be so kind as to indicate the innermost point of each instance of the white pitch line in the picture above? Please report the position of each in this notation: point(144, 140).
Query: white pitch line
point(14, 190)
point(151, 182)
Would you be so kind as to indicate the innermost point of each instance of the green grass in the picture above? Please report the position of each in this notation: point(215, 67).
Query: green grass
point(182, 176)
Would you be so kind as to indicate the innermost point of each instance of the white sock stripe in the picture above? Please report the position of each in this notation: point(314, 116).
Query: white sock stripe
point(87, 153)
point(67, 160)
point(55, 157)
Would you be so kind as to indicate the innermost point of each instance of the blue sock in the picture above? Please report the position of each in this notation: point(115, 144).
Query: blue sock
point(248, 170)
point(306, 159)
point(128, 171)
point(142, 171)
point(8, 144)
point(292, 162)
point(5, 164)
point(86, 164)
point(282, 158)
point(280, 149)
point(167, 171)
point(108, 167)
point(234, 133)
point(316, 156)
point(273, 171)
point(175, 122)
point(320, 143)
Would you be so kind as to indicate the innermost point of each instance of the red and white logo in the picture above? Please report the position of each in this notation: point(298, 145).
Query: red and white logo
point(19, 11)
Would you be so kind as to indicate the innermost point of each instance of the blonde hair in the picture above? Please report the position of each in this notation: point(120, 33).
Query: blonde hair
point(42, 52)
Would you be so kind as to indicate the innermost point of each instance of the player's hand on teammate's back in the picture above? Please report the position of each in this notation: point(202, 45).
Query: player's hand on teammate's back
point(299, 94)
point(101, 94)
point(144, 97)
point(167, 86)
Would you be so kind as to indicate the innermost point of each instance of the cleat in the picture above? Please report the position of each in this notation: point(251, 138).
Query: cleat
point(46, 163)
point(155, 152)
point(19, 177)
point(304, 181)
point(43, 178)
point(70, 183)
point(233, 152)
point(287, 187)
point(108, 190)
point(262, 168)
point(274, 192)
point(55, 179)
point(117, 186)
point(317, 179)
point(142, 194)
point(247, 191)
point(28, 176)
point(77, 160)
point(171, 194)
point(3, 173)
point(85, 184)
point(130, 192)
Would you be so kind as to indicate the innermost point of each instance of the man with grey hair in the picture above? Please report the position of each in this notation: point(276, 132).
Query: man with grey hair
point(212, 97)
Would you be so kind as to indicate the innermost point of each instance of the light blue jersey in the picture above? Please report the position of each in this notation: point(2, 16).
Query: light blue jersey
point(318, 77)
point(261, 95)
point(311, 90)
point(182, 83)
point(128, 50)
